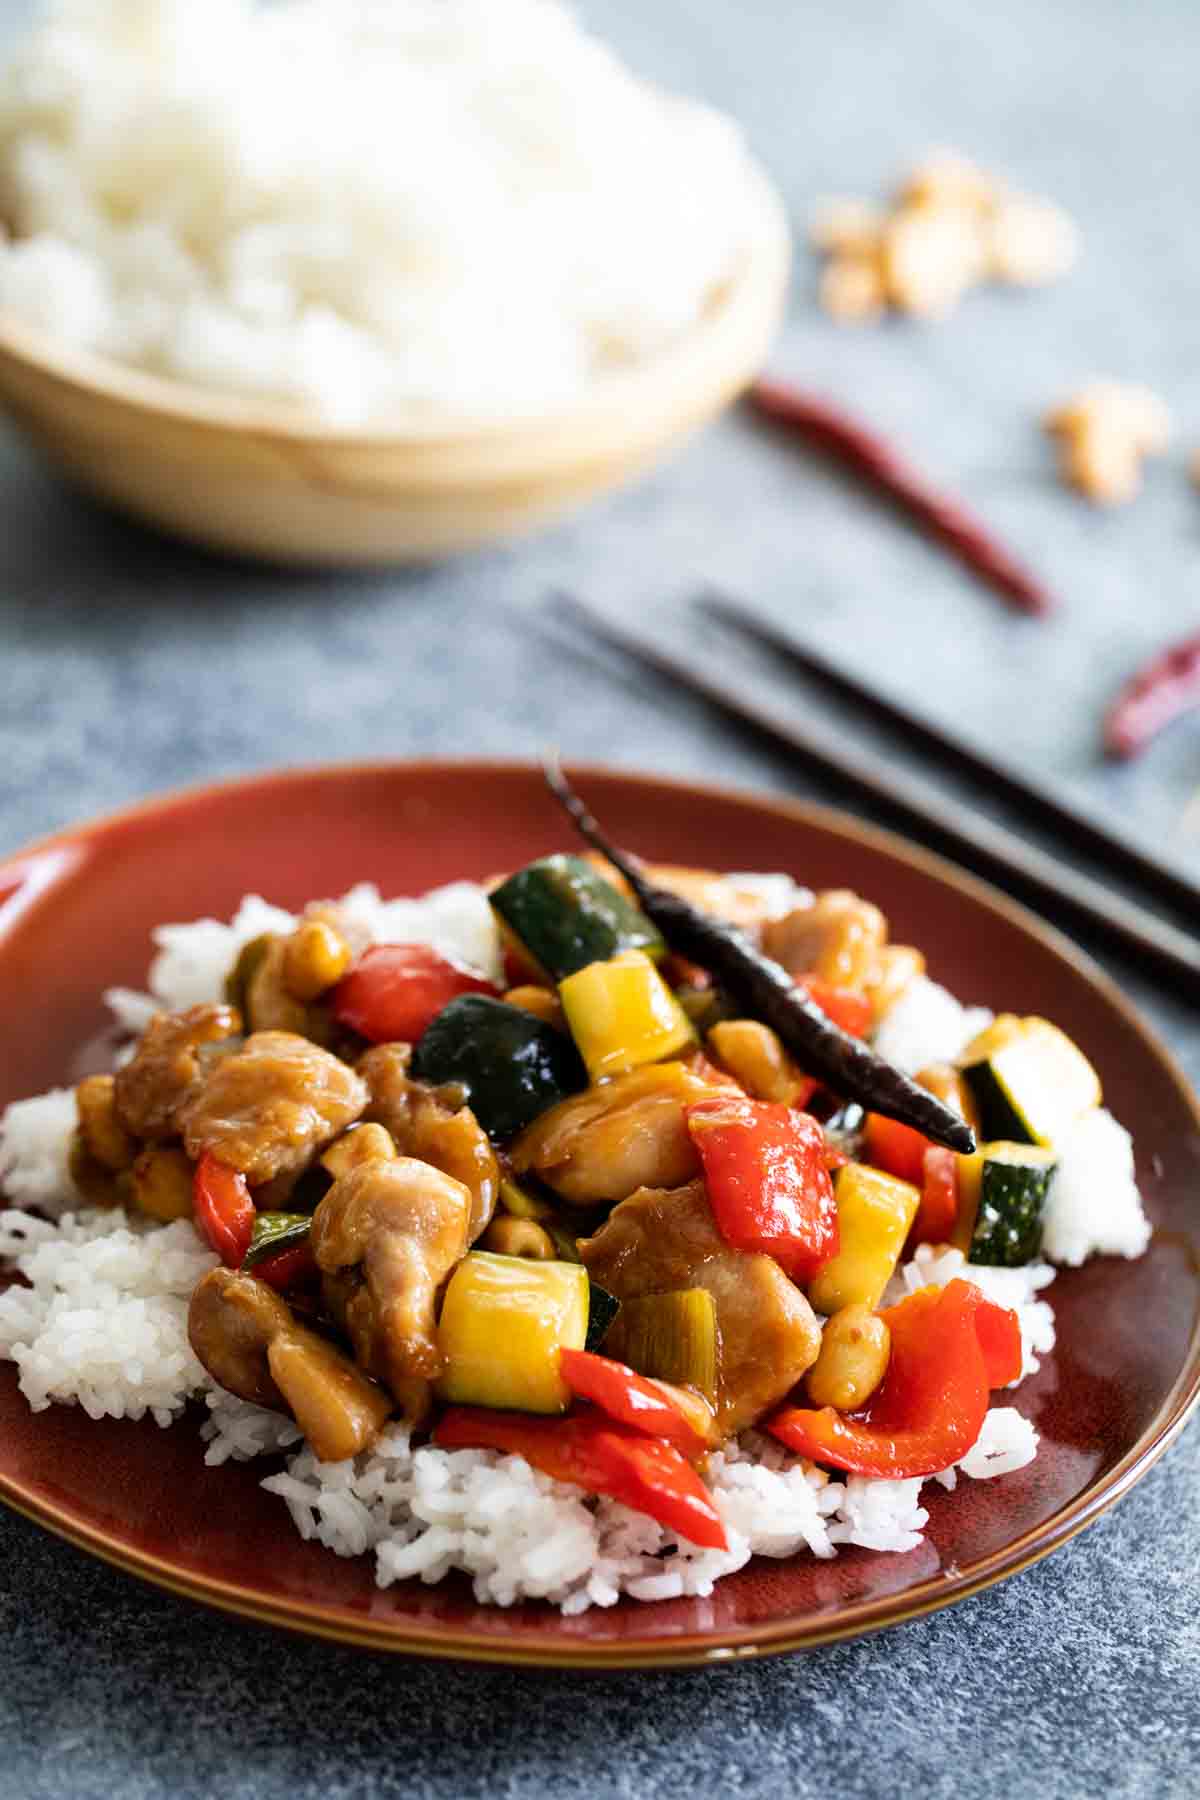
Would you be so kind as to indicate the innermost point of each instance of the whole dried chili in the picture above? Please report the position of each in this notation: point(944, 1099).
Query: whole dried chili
point(940, 514)
point(768, 993)
point(1154, 697)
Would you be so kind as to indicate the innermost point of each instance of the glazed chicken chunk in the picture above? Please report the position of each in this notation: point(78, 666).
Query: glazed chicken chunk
point(424, 1126)
point(269, 1107)
point(658, 1241)
point(396, 1227)
point(169, 1067)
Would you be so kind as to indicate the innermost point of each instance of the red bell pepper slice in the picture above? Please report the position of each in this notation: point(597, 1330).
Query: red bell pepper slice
point(287, 1268)
point(629, 1398)
point(896, 1149)
point(845, 1006)
point(767, 1180)
point(949, 1345)
point(223, 1208)
point(937, 1214)
point(600, 1455)
point(394, 990)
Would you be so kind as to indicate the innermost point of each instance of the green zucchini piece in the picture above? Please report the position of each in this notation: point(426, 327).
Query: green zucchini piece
point(275, 1231)
point(249, 961)
point(511, 1065)
point(565, 915)
point(603, 1308)
point(1014, 1182)
point(1031, 1085)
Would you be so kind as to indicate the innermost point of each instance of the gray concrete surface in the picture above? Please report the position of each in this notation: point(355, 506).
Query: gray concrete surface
point(128, 664)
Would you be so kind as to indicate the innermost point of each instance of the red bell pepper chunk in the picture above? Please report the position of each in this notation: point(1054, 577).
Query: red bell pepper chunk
point(629, 1398)
point(937, 1214)
point(223, 1208)
point(600, 1455)
point(287, 1268)
point(845, 1006)
point(767, 1180)
point(949, 1345)
point(896, 1149)
point(394, 990)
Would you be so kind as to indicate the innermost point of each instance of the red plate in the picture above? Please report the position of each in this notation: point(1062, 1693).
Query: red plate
point(75, 916)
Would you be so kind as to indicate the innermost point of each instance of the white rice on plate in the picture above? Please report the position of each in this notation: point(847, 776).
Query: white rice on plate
point(102, 1323)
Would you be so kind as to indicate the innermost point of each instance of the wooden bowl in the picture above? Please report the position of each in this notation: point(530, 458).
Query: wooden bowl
point(239, 475)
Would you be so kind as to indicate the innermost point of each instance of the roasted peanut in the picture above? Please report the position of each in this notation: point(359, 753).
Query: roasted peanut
point(315, 957)
point(542, 1002)
point(754, 1056)
point(162, 1184)
point(106, 1138)
point(853, 1359)
point(518, 1237)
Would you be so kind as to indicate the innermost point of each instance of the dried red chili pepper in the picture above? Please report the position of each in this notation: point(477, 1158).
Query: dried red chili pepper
point(1153, 697)
point(942, 515)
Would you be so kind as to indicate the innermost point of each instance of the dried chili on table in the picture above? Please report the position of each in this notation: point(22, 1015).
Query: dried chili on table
point(1154, 697)
point(940, 514)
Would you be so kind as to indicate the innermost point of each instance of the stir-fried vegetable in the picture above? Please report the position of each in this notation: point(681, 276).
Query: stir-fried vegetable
point(603, 1308)
point(1029, 1080)
point(504, 1321)
point(670, 1336)
point(937, 1215)
point(764, 1169)
point(279, 1250)
point(765, 990)
point(564, 915)
point(224, 1210)
point(630, 1398)
point(394, 991)
point(948, 1347)
point(874, 1215)
point(895, 1148)
point(622, 1015)
point(847, 1007)
point(1005, 1226)
point(510, 1065)
point(600, 1456)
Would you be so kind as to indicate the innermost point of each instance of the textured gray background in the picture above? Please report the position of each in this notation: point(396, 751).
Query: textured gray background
point(129, 664)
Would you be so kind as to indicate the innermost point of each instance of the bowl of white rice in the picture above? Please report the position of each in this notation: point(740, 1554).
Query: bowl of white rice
point(112, 1433)
point(361, 282)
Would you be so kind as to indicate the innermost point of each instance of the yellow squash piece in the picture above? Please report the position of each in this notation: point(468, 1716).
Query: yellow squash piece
point(504, 1321)
point(875, 1214)
point(622, 1015)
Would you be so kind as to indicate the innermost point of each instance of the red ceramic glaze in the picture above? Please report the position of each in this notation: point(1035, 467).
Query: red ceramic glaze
point(75, 916)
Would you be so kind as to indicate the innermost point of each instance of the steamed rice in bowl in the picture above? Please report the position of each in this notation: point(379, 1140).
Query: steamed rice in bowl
point(374, 210)
point(101, 1321)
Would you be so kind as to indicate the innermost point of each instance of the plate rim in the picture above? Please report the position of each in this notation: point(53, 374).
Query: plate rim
point(545, 1650)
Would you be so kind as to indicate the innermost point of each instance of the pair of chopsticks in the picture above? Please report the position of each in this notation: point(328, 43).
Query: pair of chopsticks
point(983, 845)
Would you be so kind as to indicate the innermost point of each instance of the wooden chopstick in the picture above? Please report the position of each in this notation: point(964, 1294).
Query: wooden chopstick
point(1051, 809)
point(985, 847)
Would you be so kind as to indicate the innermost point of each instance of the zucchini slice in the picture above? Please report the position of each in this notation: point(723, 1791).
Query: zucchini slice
point(1029, 1080)
point(511, 1064)
point(1013, 1184)
point(672, 1337)
point(565, 915)
point(504, 1321)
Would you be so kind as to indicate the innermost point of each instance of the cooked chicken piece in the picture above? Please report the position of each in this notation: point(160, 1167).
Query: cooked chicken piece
point(424, 1126)
point(268, 1108)
point(656, 1242)
point(838, 938)
point(404, 1223)
point(169, 1067)
point(247, 1338)
point(625, 1134)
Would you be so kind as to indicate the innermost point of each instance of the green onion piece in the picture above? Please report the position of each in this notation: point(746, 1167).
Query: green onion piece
point(275, 1231)
point(672, 1336)
point(603, 1308)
